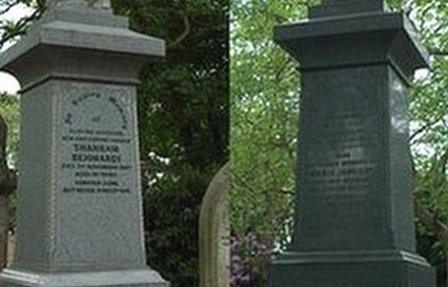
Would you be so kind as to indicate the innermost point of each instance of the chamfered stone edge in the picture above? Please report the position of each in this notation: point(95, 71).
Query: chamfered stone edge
point(92, 32)
point(398, 34)
point(134, 278)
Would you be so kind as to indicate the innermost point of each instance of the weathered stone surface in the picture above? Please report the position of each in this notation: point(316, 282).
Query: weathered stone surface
point(101, 4)
point(94, 192)
point(214, 233)
point(86, 44)
point(10, 248)
point(80, 219)
point(98, 177)
point(122, 278)
point(355, 223)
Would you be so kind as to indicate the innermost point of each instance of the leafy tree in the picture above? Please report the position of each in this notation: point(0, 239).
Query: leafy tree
point(264, 105)
point(9, 113)
point(11, 30)
point(183, 113)
point(264, 87)
point(9, 110)
point(429, 110)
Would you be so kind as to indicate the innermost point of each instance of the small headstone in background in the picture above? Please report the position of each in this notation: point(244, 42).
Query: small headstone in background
point(10, 248)
point(214, 233)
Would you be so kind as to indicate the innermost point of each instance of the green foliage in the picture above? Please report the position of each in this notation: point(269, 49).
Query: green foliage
point(183, 116)
point(264, 88)
point(9, 110)
point(11, 30)
point(429, 110)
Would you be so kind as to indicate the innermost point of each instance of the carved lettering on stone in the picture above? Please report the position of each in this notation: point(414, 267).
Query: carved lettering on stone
point(96, 157)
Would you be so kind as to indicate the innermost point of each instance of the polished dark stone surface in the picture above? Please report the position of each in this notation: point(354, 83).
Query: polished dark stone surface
point(355, 223)
point(344, 7)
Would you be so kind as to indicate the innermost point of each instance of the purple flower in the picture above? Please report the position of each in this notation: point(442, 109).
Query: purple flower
point(249, 259)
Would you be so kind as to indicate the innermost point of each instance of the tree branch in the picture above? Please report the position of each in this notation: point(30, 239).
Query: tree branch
point(19, 28)
point(430, 222)
point(9, 7)
point(424, 128)
point(184, 33)
point(438, 52)
point(428, 219)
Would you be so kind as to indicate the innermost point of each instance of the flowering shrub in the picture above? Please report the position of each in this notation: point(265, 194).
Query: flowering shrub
point(249, 260)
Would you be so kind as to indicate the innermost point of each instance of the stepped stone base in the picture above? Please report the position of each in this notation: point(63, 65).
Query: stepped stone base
point(357, 269)
point(120, 278)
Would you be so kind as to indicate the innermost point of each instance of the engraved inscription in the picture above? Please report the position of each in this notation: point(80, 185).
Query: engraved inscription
point(340, 160)
point(340, 170)
point(96, 142)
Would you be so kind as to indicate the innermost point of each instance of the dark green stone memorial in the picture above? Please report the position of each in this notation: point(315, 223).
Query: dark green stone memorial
point(355, 222)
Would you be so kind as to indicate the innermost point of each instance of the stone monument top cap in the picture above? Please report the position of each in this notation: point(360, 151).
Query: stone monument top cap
point(71, 29)
point(344, 7)
point(78, 38)
point(97, 4)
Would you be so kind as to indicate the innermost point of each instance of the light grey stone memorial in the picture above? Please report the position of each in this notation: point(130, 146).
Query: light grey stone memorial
point(80, 220)
point(354, 224)
point(214, 233)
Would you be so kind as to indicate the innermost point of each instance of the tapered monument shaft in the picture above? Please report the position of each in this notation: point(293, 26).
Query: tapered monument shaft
point(354, 220)
point(80, 218)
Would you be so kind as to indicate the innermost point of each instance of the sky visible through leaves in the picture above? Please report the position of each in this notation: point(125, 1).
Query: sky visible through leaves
point(8, 83)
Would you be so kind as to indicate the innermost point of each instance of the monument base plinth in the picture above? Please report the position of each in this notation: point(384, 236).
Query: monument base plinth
point(119, 278)
point(351, 269)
